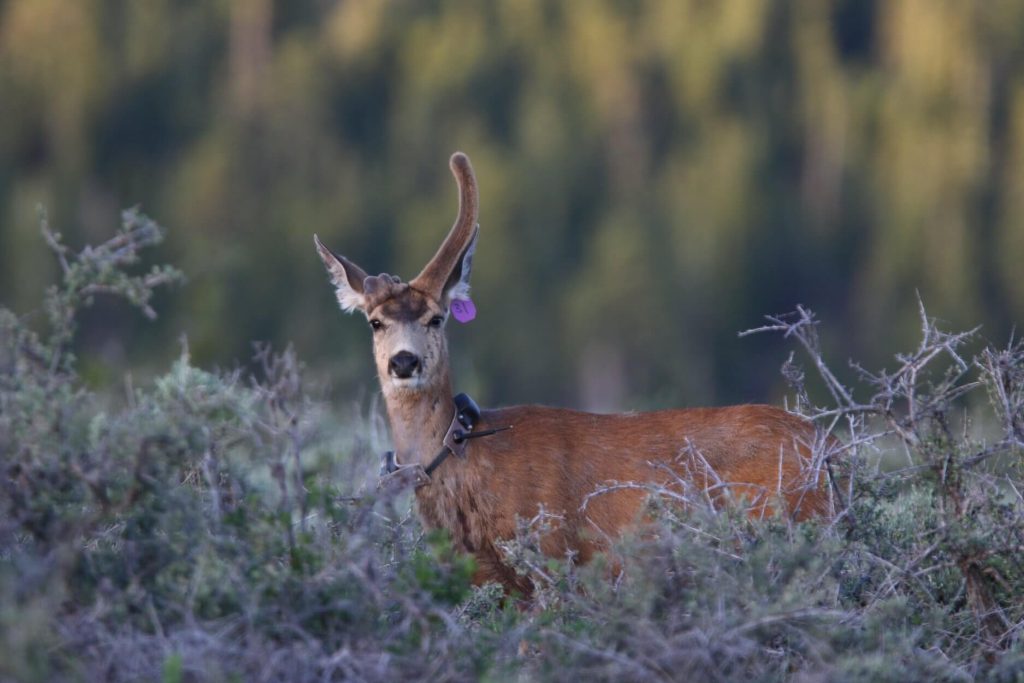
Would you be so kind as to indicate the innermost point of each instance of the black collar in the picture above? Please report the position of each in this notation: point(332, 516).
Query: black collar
point(467, 414)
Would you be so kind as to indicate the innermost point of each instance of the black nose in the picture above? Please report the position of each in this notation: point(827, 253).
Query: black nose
point(403, 364)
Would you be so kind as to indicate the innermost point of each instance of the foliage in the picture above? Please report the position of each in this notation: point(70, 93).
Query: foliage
point(918, 577)
point(215, 526)
point(193, 531)
point(654, 174)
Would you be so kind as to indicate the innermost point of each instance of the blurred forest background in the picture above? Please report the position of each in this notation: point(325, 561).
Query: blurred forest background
point(655, 177)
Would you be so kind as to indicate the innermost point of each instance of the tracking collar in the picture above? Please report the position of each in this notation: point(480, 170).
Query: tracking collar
point(467, 414)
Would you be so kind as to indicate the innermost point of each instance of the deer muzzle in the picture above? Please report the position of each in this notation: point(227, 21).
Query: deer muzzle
point(404, 365)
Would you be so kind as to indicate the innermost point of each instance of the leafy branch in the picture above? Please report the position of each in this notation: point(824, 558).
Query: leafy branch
point(101, 270)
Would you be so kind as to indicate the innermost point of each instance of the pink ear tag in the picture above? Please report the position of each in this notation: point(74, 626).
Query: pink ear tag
point(463, 310)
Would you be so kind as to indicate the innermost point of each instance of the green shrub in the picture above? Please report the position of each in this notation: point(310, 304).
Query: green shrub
point(197, 529)
point(221, 526)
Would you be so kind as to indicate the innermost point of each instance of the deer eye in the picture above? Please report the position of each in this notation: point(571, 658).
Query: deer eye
point(376, 325)
point(435, 321)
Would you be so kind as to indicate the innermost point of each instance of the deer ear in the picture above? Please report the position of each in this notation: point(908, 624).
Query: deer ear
point(347, 278)
point(457, 285)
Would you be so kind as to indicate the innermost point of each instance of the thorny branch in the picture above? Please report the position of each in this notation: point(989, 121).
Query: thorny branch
point(916, 403)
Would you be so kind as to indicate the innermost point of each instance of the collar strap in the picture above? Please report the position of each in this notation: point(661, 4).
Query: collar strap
point(467, 414)
point(460, 438)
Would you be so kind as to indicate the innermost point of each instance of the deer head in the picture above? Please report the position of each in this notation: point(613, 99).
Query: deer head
point(408, 319)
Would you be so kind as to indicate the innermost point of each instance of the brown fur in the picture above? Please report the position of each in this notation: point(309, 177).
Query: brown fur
point(557, 458)
point(554, 458)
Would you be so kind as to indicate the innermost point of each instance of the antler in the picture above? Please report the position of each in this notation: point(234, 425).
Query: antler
point(434, 276)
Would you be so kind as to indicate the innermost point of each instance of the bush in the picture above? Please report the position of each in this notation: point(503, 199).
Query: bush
point(202, 528)
point(220, 526)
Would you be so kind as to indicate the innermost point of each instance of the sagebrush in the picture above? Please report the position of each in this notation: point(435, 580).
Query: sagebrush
point(225, 526)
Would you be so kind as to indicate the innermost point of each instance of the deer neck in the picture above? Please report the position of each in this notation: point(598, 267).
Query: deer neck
point(419, 420)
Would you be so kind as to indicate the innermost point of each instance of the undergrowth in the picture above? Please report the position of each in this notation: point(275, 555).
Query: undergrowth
point(222, 526)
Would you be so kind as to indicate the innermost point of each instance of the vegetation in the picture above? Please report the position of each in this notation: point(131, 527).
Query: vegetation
point(689, 163)
point(222, 526)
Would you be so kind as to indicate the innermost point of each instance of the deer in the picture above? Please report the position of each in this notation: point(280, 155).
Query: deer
point(478, 472)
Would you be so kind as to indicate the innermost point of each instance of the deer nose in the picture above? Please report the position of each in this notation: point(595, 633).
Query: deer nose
point(403, 364)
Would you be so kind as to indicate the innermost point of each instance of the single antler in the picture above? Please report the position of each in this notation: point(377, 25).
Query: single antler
point(436, 274)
